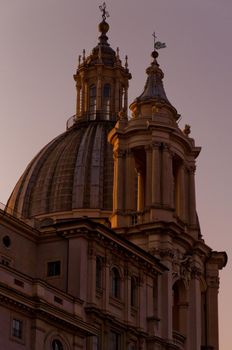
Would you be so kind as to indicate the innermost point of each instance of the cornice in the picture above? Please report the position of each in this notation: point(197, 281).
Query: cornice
point(19, 226)
point(37, 308)
point(106, 236)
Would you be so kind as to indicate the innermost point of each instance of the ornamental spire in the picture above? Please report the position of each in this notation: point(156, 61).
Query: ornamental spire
point(154, 85)
point(153, 92)
point(103, 26)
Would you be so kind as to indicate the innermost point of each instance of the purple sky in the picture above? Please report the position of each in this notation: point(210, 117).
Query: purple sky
point(40, 43)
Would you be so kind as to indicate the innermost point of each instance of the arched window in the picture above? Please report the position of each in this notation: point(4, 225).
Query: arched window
point(133, 291)
point(92, 99)
point(98, 273)
point(106, 100)
point(115, 283)
point(57, 345)
point(179, 307)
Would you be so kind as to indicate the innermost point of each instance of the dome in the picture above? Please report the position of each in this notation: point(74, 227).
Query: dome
point(68, 176)
point(72, 176)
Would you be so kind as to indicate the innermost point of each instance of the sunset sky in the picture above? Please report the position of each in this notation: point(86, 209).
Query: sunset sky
point(40, 43)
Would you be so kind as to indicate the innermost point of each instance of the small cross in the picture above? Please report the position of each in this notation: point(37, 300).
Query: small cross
point(105, 13)
point(154, 36)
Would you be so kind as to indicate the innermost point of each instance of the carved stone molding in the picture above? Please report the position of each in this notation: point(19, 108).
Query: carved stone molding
point(213, 281)
point(156, 145)
point(166, 146)
point(167, 253)
point(129, 152)
point(192, 169)
point(119, 153)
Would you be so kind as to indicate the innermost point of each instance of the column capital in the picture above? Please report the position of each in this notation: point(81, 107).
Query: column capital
point(213, 281)
point(129, 152)
point(192, 169)
point(148, 148)
point(156, 145)
point(166, 146)
point(119, 153)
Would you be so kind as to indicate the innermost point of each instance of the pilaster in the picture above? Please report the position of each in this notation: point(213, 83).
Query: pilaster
point(192, 196)
point(194, 328)
point(156, 174)
point(212, 310)
point(167, 182)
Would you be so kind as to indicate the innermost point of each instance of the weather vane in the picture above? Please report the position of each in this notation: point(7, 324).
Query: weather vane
point(157, 44)
point(105, 13)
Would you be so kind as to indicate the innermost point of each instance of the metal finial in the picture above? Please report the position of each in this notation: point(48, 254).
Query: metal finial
point(117, 52)
point(105, 13)
point(126, 62)
point(79, 60)
point(157, 44)
point(84, 55)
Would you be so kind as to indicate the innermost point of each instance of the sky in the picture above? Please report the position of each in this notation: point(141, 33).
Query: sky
point(40, 42)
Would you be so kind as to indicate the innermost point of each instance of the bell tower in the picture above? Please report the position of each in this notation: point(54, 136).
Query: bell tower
point(154, 207)
point(154, 160)
point(101, 80)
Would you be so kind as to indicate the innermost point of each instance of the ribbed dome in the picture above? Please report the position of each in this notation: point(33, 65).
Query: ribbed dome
point(68, 174)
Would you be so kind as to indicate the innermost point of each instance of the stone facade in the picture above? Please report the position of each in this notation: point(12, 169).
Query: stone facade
point(100, 244)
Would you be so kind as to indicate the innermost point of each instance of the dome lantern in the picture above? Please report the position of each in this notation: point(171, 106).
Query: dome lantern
point(101, 80)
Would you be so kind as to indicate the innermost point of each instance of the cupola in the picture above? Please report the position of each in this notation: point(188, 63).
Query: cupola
point(101, 80)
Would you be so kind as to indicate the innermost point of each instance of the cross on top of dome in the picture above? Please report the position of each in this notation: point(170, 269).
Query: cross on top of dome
point(105, 14)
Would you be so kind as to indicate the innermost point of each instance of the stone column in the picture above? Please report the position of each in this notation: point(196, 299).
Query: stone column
point(148, 196)
point(118, 193)
point(106, 285)
point(91, 277)
point(130, 181)
point(99, 94)
point(166, 300)
point(156, 174)
point(192, 196)
point(125, 103)
point(117, 92)
point(78, 109)
point(212, 310)
point(194, 329)
point(140, 191)
point(142, 299)
point(38, 334)
point(86, 97)
point(127, 294)
point(79, 342)
point(182, 193)
point(83, 96)
point(167, 177)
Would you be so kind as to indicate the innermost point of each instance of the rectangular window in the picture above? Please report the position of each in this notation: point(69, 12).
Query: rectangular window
point(53, 268)
point(114, 341)
point(17, 328)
